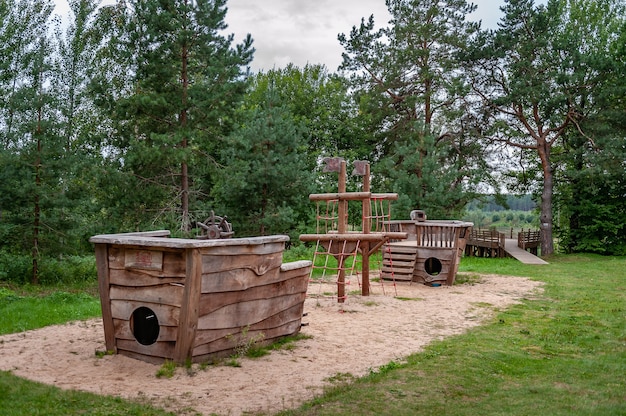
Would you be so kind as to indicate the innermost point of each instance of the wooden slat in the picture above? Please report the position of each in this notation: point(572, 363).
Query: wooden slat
point(143, 357)
point(401, 247)
point(122, 331)
point(224, 346)
point(164, 350)
point(210, 302)
point(296, 267)
point(166, 314)
point(247, 313)
point(275, 321)
point(398, 263)
point(236, 280)
point(173, 263)
point(233, 250)
point(136, 278)
point(132, 239)
point(258, 263)
point(403, 275)
point(167, 294)
point(399, 256)
point(394, 267)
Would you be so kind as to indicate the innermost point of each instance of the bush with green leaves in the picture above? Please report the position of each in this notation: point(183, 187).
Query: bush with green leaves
point(18, 269)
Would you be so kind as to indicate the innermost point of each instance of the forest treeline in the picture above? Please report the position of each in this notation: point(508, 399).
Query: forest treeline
point(144, 115)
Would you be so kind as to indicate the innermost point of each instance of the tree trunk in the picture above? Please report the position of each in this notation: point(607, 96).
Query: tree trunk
point(184, 185)
point(184, 203)
point(37, 207)
point(545, 218)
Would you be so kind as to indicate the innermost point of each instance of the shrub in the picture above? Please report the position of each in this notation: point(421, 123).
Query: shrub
point(18, 269)
point(15, 268)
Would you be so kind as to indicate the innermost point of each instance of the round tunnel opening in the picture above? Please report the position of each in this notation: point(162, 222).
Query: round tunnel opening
point(144, 325)
point(432, 266)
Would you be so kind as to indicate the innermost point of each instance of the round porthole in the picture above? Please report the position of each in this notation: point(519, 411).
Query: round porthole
point(144, 325)
point(432, 266)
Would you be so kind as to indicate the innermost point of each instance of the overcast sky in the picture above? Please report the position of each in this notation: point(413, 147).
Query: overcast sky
point(305, 31)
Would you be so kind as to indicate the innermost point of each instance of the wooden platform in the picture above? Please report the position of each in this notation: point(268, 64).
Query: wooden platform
point(511, 248)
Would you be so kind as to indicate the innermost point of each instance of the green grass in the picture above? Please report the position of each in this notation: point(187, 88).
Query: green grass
point(28, 310)
point(19, 397)
point(560, 353)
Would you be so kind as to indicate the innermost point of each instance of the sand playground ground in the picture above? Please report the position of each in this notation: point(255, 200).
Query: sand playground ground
point(355, 337)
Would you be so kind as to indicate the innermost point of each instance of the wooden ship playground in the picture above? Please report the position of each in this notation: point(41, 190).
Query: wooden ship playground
point(191, 300)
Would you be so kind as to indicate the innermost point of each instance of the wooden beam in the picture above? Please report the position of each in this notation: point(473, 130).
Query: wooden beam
point(391, 197)
point(354, 236)
point(102, 262)
point(341, 196)
point(188, 323)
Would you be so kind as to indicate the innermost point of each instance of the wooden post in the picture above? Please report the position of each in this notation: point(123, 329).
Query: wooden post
point(188, 320)
point(342, 226)
point(102, 262)
point(365, 245)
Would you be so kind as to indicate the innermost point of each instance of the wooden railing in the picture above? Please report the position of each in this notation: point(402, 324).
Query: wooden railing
point(529, 240)
point(485, 243)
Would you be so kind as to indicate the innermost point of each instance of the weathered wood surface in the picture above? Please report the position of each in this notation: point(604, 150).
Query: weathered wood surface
point(122, 331)
point(102, 264)
point(136, 278)
point(241, 314)
point(205, 294)
point(399, 261)
point(225, 346)
point(173, 266)
point(431, 233)
point(278, 320)
point(210, 302)
point(410, 260)
point(141, 240)
point(353, 236)
point(160, 349)
point(258, 263)
point(167, 294)
point(522, 255)
point(167, 315)
point(188, 323)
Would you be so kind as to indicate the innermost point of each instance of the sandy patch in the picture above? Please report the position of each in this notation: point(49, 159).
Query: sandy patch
point(355, 337)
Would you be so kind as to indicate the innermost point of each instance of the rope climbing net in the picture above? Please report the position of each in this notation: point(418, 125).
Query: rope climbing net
point(337, 263)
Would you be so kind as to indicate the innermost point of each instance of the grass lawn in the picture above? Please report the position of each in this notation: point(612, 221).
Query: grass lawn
point(563, 353)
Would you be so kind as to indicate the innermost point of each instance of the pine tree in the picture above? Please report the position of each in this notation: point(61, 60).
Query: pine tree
point(411, 85)
point(187, 80)
point(265, 186)
point(32, 191)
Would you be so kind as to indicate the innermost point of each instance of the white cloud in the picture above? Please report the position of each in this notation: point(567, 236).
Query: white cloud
point(305, 31)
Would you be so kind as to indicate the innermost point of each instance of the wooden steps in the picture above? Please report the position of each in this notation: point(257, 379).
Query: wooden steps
point(398, 261)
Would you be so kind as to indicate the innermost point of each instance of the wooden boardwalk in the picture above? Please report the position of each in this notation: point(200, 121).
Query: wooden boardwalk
point(510, 246)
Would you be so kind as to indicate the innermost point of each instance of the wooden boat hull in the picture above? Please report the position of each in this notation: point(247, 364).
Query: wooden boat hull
point(175, 299)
